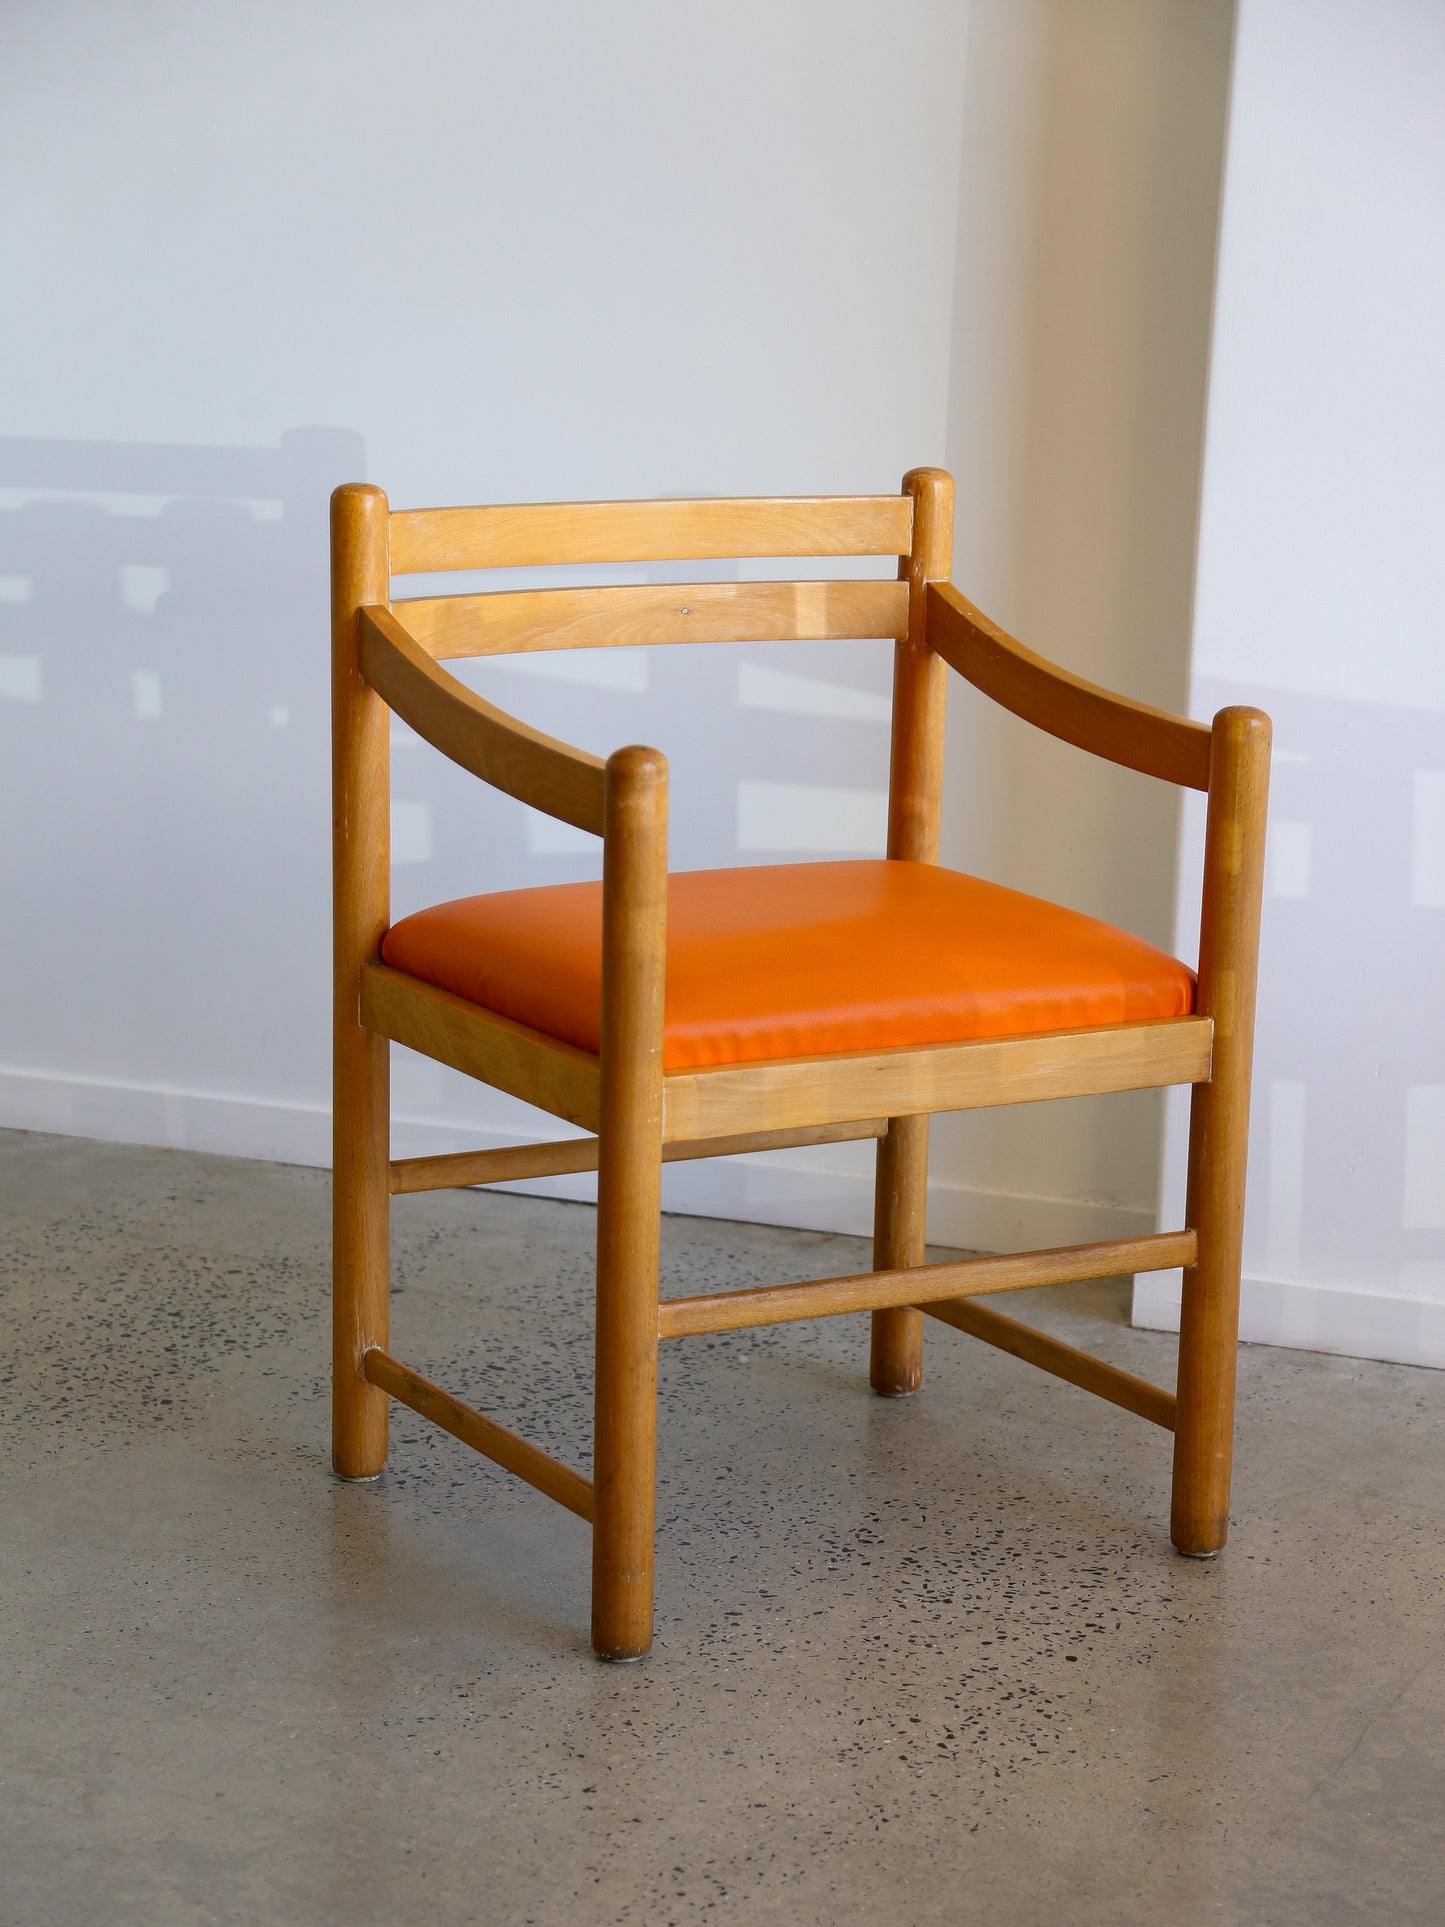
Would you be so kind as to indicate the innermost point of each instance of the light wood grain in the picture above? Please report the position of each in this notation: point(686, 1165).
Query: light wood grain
point(629, 1204)
point(528, 535)
point(521, 621)
point(360, 839)
point(920, 679)
point(920, 1285)
point(900, 1239)
point(1124, 732)
point(385, 656)
point(1219, 1129)
point(556, 1077)
point(915, 797)
point(936, 1077)
point(1064, 1361)
point(484, 1435)
point(513, 1163)
point(510, 755)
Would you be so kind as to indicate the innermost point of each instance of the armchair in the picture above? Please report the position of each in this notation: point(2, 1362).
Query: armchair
point(715, 1012)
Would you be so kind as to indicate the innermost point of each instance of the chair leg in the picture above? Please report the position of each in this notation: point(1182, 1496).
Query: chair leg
point(361, 1282)
point(1209, 1329)
point(629, 1200)
point(624, 1472)
point(1208, 1322)
point(360, 1092)
point(900, 1212)
point(1219, 1131)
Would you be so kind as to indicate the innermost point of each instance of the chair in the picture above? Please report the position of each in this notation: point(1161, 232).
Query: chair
point(815, 1004)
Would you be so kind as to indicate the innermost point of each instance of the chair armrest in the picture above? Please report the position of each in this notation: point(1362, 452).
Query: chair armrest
point(1078, 712)
point(549, 775)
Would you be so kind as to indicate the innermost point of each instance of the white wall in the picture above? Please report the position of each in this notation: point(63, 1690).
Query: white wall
point(1321, 592)
point(563, 251)
point(504, 253)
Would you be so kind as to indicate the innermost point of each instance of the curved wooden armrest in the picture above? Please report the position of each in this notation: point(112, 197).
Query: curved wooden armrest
point(1079, 712)
point(550, 775)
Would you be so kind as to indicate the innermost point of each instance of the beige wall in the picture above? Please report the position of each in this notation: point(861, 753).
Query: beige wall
point(1092, 157)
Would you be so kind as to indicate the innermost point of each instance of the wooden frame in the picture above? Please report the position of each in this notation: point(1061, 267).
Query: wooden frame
point(521, 621)
point(386, 657)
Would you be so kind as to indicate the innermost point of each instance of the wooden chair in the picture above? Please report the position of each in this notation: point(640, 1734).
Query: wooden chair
point(567, 985)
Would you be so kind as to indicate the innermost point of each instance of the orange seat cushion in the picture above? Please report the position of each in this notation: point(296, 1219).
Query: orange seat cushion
point(802, 959)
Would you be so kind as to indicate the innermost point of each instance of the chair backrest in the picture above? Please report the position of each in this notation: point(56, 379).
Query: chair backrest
point(549, 534)
point(915, 526)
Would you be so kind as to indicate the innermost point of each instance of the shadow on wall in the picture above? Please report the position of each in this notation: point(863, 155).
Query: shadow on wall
point(1347, 1126)
point(163, 704)
point(164, 716)
point(778, 751)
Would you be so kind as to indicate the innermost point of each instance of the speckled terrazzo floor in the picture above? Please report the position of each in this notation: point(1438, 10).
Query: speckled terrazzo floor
point(917, 1661)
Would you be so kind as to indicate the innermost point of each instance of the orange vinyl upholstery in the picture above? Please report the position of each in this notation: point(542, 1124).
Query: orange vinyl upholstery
point(802, 959)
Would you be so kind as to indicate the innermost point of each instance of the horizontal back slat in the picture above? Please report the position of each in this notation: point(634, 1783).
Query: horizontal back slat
point(1078, 712)
point(532, 535)
point(514, 621)
point(510, 755)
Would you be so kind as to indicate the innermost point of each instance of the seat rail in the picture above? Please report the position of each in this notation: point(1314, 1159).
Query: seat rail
point(556, 1077)
point(780, 1094)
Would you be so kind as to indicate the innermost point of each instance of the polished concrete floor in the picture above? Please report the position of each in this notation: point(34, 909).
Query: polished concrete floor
point(917, 1661)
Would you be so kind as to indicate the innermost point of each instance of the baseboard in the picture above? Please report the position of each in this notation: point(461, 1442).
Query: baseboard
point(803, 1189)
point(814, 1190)
point(126, 1111)
point(827, 1189)
point(1313, 1318)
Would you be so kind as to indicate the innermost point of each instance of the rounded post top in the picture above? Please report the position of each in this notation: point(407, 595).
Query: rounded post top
point(360, 546)
point(359, 503)
point(1245, 724)
point(637, 766)
point(917, 480)
point(932, 552)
